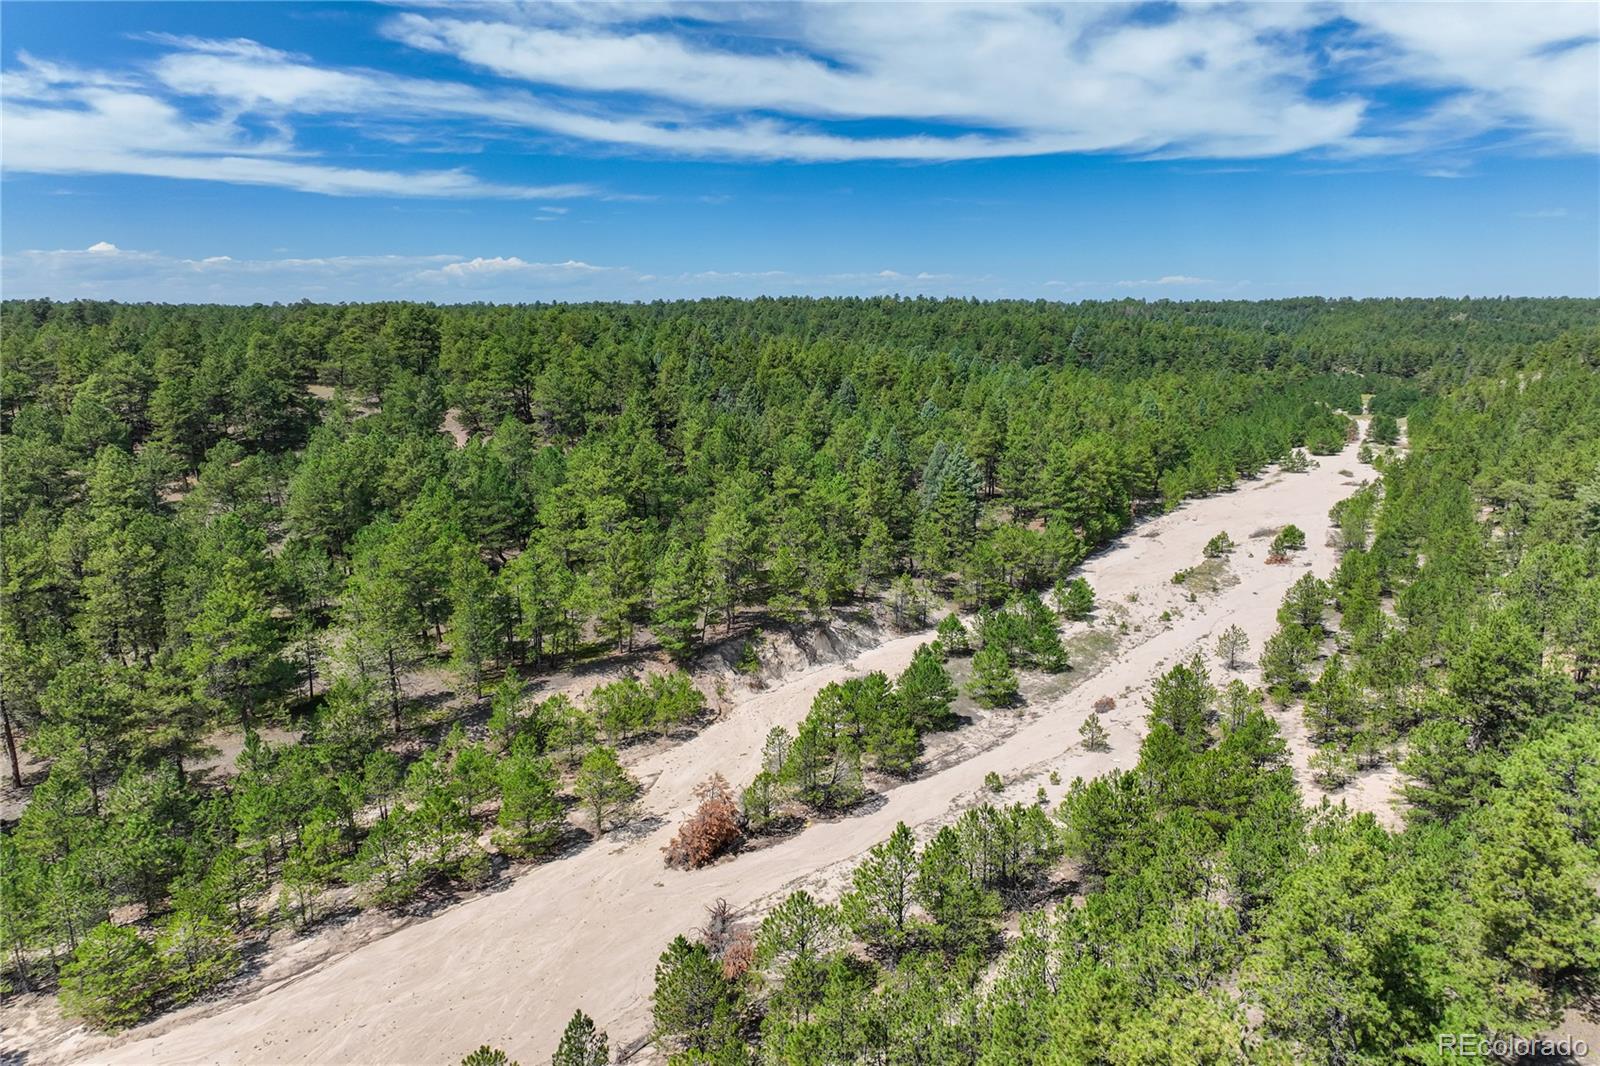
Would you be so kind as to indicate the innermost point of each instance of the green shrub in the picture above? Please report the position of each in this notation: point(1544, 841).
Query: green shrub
point(113, 978)
point(1291, 538)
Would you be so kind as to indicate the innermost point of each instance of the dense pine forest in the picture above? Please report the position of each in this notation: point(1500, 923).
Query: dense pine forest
point(235, 521)
point(1212, 916)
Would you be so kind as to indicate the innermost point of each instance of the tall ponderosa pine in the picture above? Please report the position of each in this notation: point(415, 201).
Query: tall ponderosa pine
point(878, 906)
point(478, 618)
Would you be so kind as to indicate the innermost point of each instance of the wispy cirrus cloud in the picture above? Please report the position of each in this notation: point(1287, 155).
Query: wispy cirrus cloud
point(983, 80)
point(822, 82)
point(1201, 80)
point(1525, 68)
point(58, 119)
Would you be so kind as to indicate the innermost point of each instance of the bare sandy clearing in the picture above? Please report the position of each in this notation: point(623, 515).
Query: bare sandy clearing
point(509, 968)
point(455, 428)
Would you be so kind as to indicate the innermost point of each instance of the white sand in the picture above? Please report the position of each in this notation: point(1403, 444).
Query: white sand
point(509, 967)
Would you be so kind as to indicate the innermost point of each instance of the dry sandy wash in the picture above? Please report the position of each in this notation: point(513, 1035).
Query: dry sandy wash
point(509, 967)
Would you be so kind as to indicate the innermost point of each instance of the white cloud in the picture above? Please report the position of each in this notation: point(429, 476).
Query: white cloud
point(106, 272)
point(1527, 66)
point(1213, 80)
point(1164, 287)
point(243, 47)
point(999, 79)
point(60, 120)
point(826, 82)
point(470, 269)
point(1166, 279)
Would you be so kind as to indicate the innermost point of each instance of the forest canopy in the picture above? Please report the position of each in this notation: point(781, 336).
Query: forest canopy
point(227, 518)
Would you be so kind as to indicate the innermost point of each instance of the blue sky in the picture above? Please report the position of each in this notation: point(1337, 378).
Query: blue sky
point(240, 152)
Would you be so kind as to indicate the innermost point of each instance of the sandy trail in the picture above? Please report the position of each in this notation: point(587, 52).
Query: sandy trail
point(509, 968)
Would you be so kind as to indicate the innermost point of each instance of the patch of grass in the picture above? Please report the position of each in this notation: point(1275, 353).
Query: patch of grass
point(1211, 576)
point(1088, 650)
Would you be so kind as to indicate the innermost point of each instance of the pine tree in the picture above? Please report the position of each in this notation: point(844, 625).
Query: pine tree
point(1219, 546)
point(758, 802)
point(1384, 429)
point(1331, 768)
point(962, 909)
point(798, 932)
point(692, 1004)
point(1095, 737)
point(83, 723)
point(878, 906)
point(620, 583)
point(1341, 952)
point(21, 927)
point(732, 544)
point(953, 638)
point(604, 787)
point(1532, 884)
point(1288, 539)
point(231, 880)
point(531, 817)
point(1497, 675)
point(994, 683)
point(382, 616)
point(875, 559)
point(418, 551)
point(236, 638)
point(477, 616)
point(1075, 600)
point(507, 715)
point(387, 863)
point(925, 690)
point(1284, 660)
point(1304, 603)
point(112, 979)
point(195, 954)
point(823, 766)
point(674, 700)
point(582, 1044)
point(547, 595)
point(1334, 709)
point(312, 863)
point(680, 599)
point(474, 776)
point(1185, 701)
point(949, 502)
point(1233, 644)
point(622, 708)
